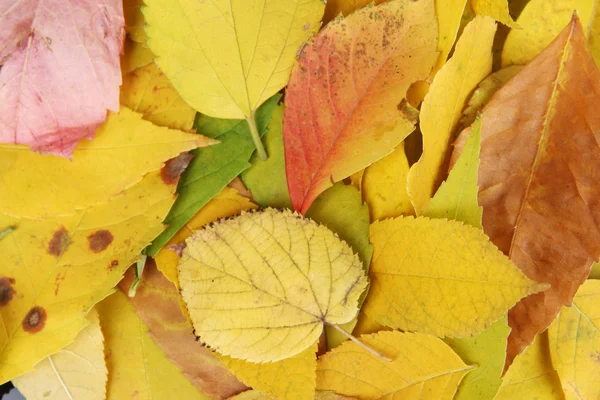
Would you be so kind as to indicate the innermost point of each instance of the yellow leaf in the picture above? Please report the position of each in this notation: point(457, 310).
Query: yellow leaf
point(423, 367)
point(595, 272)
point(440, 277)
point(531, 376)
point(497, 9)
point(449, 14)
point(75, 372)
point(134, 20)
point(261, 286)
point(356, 179)
point(135, 55)
point(226, 204)
point(542, 20)
point(384, 186)
point(574, 339)
point(227, 58)
point(137, 368)
point(148, 91)
point(288, 379)
point(252, 395)
point(367, 325)
point(442, 108)
point(334, 8)
point(57, 269)
point(125, 148)
point(456, 199)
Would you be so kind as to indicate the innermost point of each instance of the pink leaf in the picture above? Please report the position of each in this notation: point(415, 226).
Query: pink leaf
point(59, 70)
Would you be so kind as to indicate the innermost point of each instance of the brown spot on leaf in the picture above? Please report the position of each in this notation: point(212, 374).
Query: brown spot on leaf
point(100, 240)
point(59, 243)
point(174, 167)
point(408, 111)
point(113, 264)
point(6, 290)
point(57, 281)
point(35, 320)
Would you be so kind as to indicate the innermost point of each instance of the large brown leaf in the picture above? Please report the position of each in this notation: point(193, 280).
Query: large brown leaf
point(539, 174)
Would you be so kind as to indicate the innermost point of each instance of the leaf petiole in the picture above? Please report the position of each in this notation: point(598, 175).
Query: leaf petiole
point(358, 342)
point(138, 271)
point(262, 153)
point(7, 230)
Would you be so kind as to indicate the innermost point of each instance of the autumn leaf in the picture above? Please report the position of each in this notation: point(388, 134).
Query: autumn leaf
point(135, 55)
point(442, 108)
point(532, 375)
point(212, 168)
point(538, 149)
point(424, 271)
point(58, 75)
point(134, 20)
point(595, 272)
point(261, 286)
point(157, 303)
point(333, 8)
point(496, 9)
point(574, 341)
point(137, 368)
point(75, 372)
point(422, 366)
point(126, 147)
point(347, 93)
point(57, 269)
point(227, 58)
point(542, 20)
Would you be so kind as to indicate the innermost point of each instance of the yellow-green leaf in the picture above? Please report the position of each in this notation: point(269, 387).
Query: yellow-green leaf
point(532, 376)
point(137, 368)
point(542, 20)
point(442, 108)
point(423, 366)
point(384, 186)
point(456, 199)
point(124, 149)
point(57, 269)
point(574, 339)
point(226, 57)
point(289, 379)
point(440, 277)
point(76, 372)
point(261, 286)
point(497, 9)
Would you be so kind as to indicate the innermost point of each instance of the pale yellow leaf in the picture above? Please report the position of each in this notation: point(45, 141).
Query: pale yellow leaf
point(449, 14)
point(442, 108)
point(261, 286)
point(532, 376)
point(124, 149)
point(574, 341)
point(137, 367)
point(76, 372)
point(440, 277)
point(289, 379)
point(423, 367)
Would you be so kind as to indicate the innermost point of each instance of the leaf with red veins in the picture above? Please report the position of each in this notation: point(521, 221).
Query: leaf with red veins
point(345, 103)
point(59, 70)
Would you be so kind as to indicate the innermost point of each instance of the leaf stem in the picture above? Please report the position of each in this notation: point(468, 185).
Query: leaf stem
point(358, 342)
point(7, 230)
point(262, 153)
point(138, 271)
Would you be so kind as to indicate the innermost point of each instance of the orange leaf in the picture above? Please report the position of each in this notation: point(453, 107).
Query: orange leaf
point(157, 303)
point(539, 174)
point(345, 103)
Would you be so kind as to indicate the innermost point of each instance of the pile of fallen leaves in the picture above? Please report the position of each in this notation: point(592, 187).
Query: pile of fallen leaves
point(287, 199)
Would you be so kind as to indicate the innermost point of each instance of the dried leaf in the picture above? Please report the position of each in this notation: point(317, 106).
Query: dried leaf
point(260, 286)
point(137, 368)
point(540, 162)
point(574, 339)
point(423, 367)
point(158, 304)
point(76, 372)
point(440, 277)
point(347, 93)
point(60, 268)
point(442, 108)
point(58, 75)
point(126, 148)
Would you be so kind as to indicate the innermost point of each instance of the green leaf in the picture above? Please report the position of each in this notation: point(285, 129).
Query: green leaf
point(213, 167)
point(266, 179)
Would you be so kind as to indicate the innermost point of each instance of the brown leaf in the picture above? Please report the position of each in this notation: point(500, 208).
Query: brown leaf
point(539, 174)
point(157, 303)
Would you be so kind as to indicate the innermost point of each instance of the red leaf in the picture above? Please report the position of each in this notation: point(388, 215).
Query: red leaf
point(59, 70)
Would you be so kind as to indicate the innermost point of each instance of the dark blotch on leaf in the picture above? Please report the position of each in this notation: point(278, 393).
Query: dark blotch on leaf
point(35, 320)
point(6, 290)
point(174, 167)
point(59, 243)
point(100, 240)
point(113, 264)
